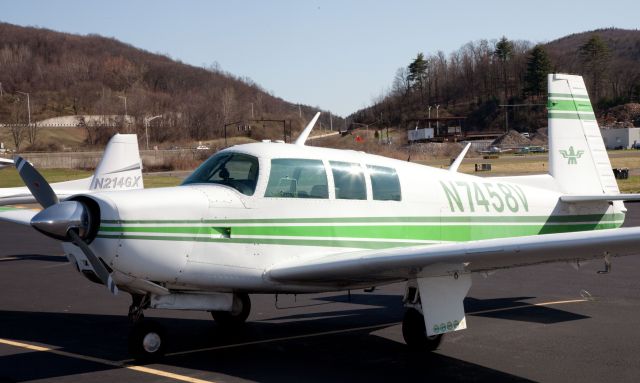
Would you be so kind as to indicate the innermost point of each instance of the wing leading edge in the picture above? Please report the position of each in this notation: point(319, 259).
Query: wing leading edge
point(17, 215)
point(409, 262)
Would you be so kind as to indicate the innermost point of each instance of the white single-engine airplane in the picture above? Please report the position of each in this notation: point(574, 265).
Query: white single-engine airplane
point(287, 218)
point(119, 169)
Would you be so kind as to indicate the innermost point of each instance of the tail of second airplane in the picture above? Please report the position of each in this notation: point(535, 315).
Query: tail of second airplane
point(120, 167)
point(578, 159)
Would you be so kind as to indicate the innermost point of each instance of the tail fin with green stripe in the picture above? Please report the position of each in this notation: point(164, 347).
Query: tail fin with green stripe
point(578, 160)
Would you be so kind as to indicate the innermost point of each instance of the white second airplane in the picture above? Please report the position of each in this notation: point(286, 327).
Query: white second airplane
point(119, 169)
point(287, 218)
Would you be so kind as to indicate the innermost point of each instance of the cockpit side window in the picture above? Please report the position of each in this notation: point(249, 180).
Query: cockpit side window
point(349, 180)
point(237, 170)
point(297, 178)
point(384, 183)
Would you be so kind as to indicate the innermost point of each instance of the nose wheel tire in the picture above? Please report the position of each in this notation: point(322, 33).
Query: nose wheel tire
point(147, 341)
point(238, 314)
point(414, 332)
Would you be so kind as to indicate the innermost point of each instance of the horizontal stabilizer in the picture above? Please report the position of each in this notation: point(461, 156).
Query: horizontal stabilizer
point(600, 197)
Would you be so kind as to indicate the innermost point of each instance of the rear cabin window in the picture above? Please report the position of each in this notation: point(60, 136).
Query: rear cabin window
point(384, 183)
point(297, 178)
point(349, 180)
point(236, 170)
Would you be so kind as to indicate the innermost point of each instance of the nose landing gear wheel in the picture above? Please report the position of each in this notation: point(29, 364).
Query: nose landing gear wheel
point(414, 332)
point(239, 313)
point(147, 341)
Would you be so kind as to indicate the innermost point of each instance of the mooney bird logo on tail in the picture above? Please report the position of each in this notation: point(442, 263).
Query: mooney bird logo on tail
point(572, 155)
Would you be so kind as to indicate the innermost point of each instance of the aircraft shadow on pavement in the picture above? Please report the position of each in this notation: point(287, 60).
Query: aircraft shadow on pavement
point(34, 257)
point(349, 356)
point(390, 306)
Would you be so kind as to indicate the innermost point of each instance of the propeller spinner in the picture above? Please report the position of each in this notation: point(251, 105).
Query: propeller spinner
point(68, 221)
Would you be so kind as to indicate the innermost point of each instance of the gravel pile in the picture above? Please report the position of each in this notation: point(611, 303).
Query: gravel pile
point(511, 139)
point(623, 116)
point(540, 137)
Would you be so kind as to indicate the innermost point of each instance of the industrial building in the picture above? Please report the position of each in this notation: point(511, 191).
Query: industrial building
point(621, 138)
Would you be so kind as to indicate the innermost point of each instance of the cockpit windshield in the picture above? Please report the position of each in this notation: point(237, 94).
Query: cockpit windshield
point(237, 170)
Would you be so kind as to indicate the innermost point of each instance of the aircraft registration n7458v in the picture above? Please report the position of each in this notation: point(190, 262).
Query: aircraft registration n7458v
point(287, 218)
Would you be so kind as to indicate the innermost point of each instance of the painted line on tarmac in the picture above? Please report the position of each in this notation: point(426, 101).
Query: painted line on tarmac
point(529, 305)
point(284, 338)
point(142, 369)
point(360, 328)
point(152, 371)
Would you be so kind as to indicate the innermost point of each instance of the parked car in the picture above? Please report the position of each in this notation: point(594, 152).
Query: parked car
point(202, 147)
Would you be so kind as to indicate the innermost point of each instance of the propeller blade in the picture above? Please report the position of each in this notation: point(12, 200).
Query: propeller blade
point(36, 183)
point(99, 268)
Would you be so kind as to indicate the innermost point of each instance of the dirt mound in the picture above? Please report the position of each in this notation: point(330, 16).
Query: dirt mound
point(511, 139)
point(540, 137)
point(435, 149)
point(623, 116)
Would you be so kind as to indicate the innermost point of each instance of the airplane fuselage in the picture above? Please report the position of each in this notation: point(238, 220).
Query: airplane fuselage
point(215, 237)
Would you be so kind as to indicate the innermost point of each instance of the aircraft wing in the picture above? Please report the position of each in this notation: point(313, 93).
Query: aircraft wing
point(5, 162)
point(17, 215)
point(411, 262)
point(22, 195)
point(570, 198)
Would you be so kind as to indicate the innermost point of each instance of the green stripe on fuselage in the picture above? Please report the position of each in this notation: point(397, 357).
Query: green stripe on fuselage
point(426, 219)
point(370, 235)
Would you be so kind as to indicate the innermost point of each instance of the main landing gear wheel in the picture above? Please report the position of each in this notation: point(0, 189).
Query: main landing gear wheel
point(415, 333)
point(239, 313)
point(147, 341)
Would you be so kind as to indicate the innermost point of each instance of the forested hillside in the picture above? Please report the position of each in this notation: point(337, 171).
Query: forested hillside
point(480, 76)
point(67, 74)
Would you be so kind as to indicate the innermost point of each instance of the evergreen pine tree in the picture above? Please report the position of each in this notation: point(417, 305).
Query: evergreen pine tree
point(538, 67)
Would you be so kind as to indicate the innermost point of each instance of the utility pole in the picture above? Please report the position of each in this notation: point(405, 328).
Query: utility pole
point(506, 112)
point(506, 120)
point(125, 110)
point(331, 121)
point(437, 118)
point(1, 94)
point(28, 105)
point(147, 120)
point(429, 116)
point(300, 110)
point(252, 111)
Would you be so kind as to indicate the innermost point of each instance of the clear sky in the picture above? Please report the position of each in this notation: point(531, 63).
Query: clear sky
point(337, 55)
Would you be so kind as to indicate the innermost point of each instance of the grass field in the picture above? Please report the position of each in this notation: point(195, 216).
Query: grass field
point(9, 176)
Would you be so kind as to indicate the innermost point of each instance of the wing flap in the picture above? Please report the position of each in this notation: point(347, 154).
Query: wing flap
point(408, 262)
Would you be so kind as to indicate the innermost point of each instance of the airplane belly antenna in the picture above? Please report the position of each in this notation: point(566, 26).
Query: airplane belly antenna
point(456, 164)
point(307, 130)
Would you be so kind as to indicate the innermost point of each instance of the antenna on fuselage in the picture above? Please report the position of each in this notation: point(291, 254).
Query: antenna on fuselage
point(456, 164)
point(307, 130)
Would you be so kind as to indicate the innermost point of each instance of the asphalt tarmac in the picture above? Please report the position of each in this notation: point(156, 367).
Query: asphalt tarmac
point(543, 323)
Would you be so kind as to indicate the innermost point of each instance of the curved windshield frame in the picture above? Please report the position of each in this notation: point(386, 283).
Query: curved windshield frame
point(236, 170)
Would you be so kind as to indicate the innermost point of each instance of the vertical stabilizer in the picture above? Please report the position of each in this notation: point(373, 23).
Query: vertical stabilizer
point(578, 160)
point(120, 167)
